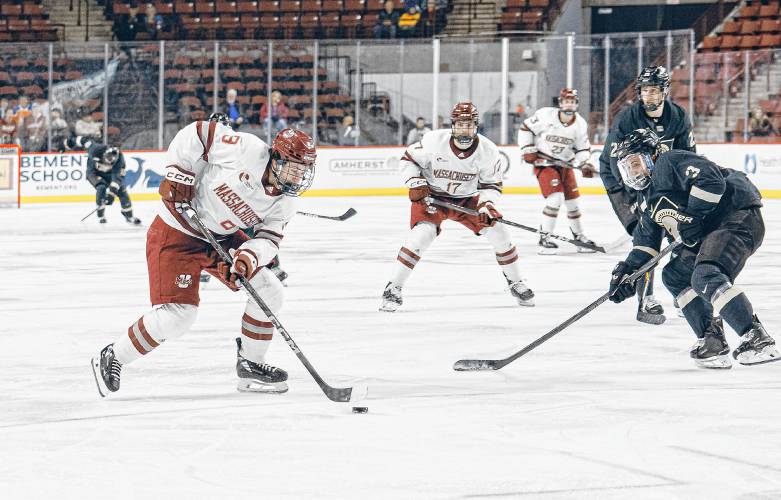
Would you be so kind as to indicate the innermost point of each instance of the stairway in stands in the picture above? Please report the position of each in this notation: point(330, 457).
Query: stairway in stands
point(60, 12)
point(472, 17)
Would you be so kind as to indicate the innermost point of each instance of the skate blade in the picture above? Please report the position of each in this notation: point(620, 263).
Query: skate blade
point(248, 385)
point(102, 389)
point(768, 355)
point(389, 307)
point(586, 250)
point(525, 303)
point(721, 362)
point(651, 319)
point(547, 251)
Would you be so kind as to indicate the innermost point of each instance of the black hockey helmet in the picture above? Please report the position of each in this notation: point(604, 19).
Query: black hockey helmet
point(110, 155)
point(653, 76)
point(220, 118)
point(636, 155)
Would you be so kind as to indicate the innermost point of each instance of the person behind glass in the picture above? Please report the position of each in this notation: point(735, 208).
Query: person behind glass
point(349, 134)
point(60, 129)
point(233, 109)
point(86, 126)
point(416, 134)
point(278, 119)
point(387, 21)
point(8, 128)
point(759, 124)
point(106, 173)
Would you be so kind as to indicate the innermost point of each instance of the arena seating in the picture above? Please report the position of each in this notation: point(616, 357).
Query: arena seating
point(754, 26)
point(527, 15)
point(25, 21)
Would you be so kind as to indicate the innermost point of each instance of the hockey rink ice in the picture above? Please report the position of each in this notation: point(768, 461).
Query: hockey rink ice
point(608, 409)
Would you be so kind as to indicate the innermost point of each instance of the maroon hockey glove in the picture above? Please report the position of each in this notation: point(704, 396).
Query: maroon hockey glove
point(226, 276)
point(178, 186)
point(418, 189)
point(530, 157)
point(588, 170)
point(245, 263)
point(487, 214)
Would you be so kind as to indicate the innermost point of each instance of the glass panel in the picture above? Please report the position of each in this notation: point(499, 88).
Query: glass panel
point(381, 84)
point(336, 94)
point(417, 88)
point(24, 85)
point(292, 89)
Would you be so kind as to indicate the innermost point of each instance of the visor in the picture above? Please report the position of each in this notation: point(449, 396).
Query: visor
point(636, 169)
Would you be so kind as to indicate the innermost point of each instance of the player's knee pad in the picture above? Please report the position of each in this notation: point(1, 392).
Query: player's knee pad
point(707, 278)
point(499, 237)
point(420, 237)
point(169, 321)
point(270, 290)
point(675, 278)
point(554, 200)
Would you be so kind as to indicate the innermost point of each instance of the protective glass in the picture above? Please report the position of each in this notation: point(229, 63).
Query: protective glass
point(464, 131)
point(636, 169)
point(292, 178)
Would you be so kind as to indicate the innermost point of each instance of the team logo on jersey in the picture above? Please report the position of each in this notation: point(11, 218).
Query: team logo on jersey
point(184, 280)
point(245, 178)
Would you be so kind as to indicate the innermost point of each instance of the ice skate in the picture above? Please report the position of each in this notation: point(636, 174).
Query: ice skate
point(279, 273)
point(391, 298)
point(757, 346)
point(546, 246)
point(258, 377)
point(582, 238)
point(106, 370)
point(133, 221)
point(102, 220)
point(651, 311)
point(522, 293)
point(712, 351)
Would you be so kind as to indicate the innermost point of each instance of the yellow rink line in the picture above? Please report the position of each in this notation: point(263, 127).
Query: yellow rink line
point(588, 190)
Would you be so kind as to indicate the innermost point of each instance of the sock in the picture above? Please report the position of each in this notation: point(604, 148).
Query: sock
point(163, 322)
point(418, 240)
point(551, 211)
point(573, 214)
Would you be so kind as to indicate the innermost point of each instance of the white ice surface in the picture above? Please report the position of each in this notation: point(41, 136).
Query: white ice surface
point(608, 409)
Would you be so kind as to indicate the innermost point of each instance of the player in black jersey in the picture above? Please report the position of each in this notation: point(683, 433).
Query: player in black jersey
point(715, 211)
point(106, 172)
point(671, 124)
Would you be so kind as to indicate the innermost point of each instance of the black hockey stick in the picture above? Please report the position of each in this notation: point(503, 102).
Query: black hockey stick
point(496, 364)
point(349, 213)
point(341, 395)
point(550, 161)
point(642, 291)
point(86, 216)
point(464, 210)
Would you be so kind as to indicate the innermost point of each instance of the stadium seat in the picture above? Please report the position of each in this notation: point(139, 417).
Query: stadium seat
point(748, 28)
point(770, 41)
point(514, 5)
point(748, 12)
point(11, 10)
point(223, 8)
point(247, 7)
point(293, 6)
point(334, 6)
point(730, 42)
point(770, 26)
point(770, 11)
point(748, 42)
point(267, 7)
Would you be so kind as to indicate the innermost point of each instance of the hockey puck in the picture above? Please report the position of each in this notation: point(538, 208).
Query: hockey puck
point(360, 409)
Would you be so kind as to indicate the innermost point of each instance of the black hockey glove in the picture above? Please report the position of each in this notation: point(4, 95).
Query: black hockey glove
point(619, 292)
point(109, 198)
point(690, 228)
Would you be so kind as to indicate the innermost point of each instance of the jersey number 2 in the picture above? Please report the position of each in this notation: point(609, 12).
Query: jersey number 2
point(692, 171)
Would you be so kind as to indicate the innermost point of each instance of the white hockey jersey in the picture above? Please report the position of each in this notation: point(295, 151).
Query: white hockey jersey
point(549, 136)
point(230, 190)
point(453, 172)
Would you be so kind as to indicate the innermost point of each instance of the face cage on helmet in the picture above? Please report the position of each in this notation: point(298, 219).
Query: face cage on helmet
point(663, 89)
point(292, 178)
point(111, 156)
point(571, 110)
point(636, 169)
point(464, 139)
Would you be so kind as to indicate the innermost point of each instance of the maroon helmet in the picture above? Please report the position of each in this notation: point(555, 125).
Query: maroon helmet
point(293, 161)
point(568, 93)
point(464, 111)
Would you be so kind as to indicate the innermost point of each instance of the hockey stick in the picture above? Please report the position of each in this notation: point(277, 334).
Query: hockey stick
point(349, 213)
point(642, 291)
point(340, 395)
point(469, 211)
point(554, 162)
point(86, 216)
point(496, 364)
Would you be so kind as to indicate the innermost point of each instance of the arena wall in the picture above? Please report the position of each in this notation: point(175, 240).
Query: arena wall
point(362, 171)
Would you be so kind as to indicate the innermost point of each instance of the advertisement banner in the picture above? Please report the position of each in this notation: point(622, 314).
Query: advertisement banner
point(362, 171)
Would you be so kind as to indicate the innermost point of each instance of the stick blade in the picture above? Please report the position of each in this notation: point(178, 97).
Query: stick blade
point(349, 213)
point(347, 394)
point(473, 365)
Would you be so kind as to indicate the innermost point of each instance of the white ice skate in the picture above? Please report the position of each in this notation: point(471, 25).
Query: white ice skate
point(391, 298)
point(522, 293)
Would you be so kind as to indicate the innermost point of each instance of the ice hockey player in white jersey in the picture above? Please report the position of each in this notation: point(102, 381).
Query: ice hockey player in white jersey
point(555, 141)
point(462, 167)
point(233, 180)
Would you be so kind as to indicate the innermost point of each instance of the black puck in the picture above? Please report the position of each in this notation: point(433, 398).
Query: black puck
point(360, 409)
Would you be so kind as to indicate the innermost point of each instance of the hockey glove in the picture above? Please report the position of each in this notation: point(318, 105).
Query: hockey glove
point(530, 157)
point(178, 187)
point(588, 170)
point(690, 229)
point(619, 292)
point(487, 214)
point(245, 263)
point(418, 189)
point(109, 198)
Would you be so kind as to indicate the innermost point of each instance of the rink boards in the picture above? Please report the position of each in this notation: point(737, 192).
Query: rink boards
point(354, 171)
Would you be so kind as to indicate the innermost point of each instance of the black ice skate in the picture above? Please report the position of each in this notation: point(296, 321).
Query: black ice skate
point(582, 238)
point(279, 273)
point(258, 377)
point(712, 351)
point(133, 221)
point(522, 293)
point(102, 220)
point(757, 347)
point(546, 246)
point(106, 370)
point(391, 298)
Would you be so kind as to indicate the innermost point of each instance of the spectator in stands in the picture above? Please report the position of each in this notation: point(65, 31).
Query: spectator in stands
point(386, 23)
point(279, 113)
point(409, 20)
point(759, 124)
point(86, 126)
point(22, 110)
point(127, 25)
point(155, 23)
point(60, 129)
point(416, 133)
point(233, 109)
point(35, 130)
point(4, 104)
point(8, 128)
point(349, 135)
